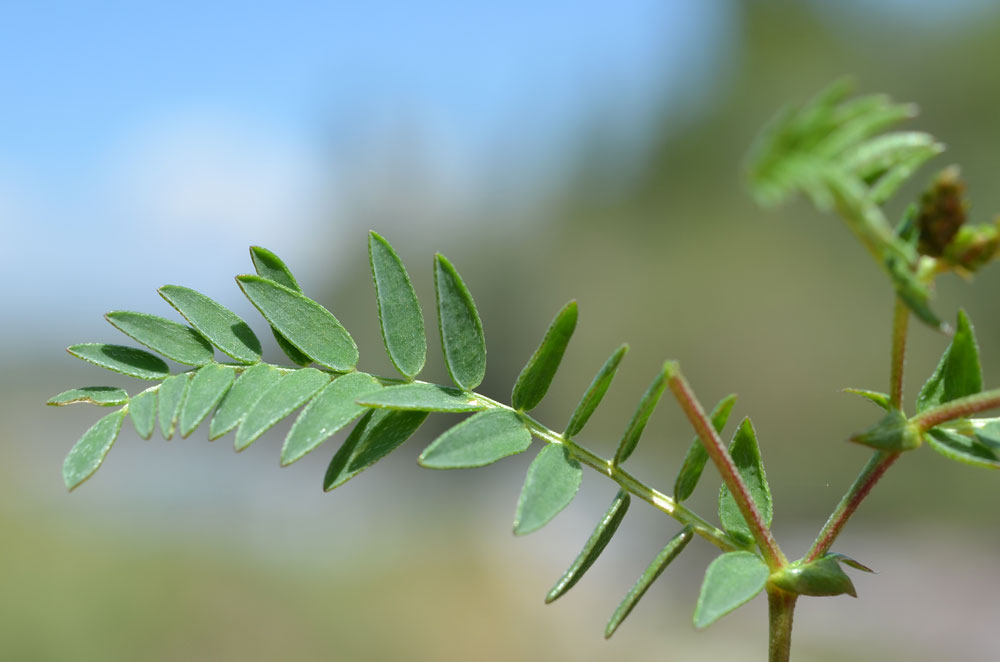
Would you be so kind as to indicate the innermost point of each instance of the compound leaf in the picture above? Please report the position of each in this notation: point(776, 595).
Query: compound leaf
point(552, 481)
point(422, 397)
point(89, 452)
point(378, 433)
point(102, 396)
point(462, 336)
point(142, 411)
point(310, 327)
point(332, 408)
point(208, 386)
point(221, 326)
point(641, 416)
point(477, 441)
point(595, 392)
point(958, 373)
point(170, 398)
point(248, 389)
point(175, 341)
point(118, 358)
point(599, 539)
point(652, 572)
point(696, 458)
point(731, 581)
point(399, 314)
point(284, 397)
point(270, 266)
point(746, 455)
point(535, 378)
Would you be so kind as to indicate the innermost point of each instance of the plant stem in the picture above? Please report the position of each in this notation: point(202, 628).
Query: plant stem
point(958, 408)
point(900, 322)
point(780, 609)
point(627, 481)
point(723, 461)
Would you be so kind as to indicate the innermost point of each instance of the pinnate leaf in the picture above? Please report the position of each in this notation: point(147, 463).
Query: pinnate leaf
point(208, 386)
point(270, 266)
point(244, 394)
point(958, 373)
point(103, 396)
point(118, 358)
point(175, 341)
point(378, 433)
point(422, 397)
point(652, 572)
point(641, 416)
point(332, 409)
point(477, 441)
point(88, 453)
point(746, 455)
point(965, 449)
point(731, 581)
point(462, 336)
point(399, 314)
point(310, 327)
point(279, 401)
point(595, 392)
point(170, 399)
point(696, 458)
point(535, 378)
point(221, 326)
point(599, 539)
point(552, 481)
point(142, 411)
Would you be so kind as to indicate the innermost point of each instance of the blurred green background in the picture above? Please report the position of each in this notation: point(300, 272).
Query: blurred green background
point(580, 151)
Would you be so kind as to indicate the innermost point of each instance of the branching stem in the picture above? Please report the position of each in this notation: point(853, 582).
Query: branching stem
point(900, 322)
point(958, 408)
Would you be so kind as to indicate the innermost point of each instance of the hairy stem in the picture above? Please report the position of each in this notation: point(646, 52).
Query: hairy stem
point(900, 322)
point(958, 408)
point(780, 609)
point(723, 461)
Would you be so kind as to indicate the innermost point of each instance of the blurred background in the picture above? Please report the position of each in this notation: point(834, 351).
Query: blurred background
point(553, 151)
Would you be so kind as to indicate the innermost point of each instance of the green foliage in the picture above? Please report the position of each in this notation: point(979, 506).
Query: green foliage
point(832, 149)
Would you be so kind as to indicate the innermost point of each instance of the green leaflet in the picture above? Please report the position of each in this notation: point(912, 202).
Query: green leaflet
point(746, 455)
point(170, 398)
point(641, 416)
point(251, 385)
point(967, 450)
point(592, 549)
point(880, 399)
point(696, 458)
point(477, 441)
point(142, 411)
point(422, 397)
point(958, 373)
point(378, 433)
point(221, 326)
point(822, 577)
point(270, 266)
point(175, 341)
point(461, 329)
point(279, 401)
point(670, 552)
point(595, 392)
point(126, 360)
point(552, 481)
point(399, 314)
point(208, 386)
point(331, 409)
point(987, 430)
point(894, 433)
point(103, 396)
point(309, 326)
point(537, 374)
point(730, 582)
point(88, 453)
